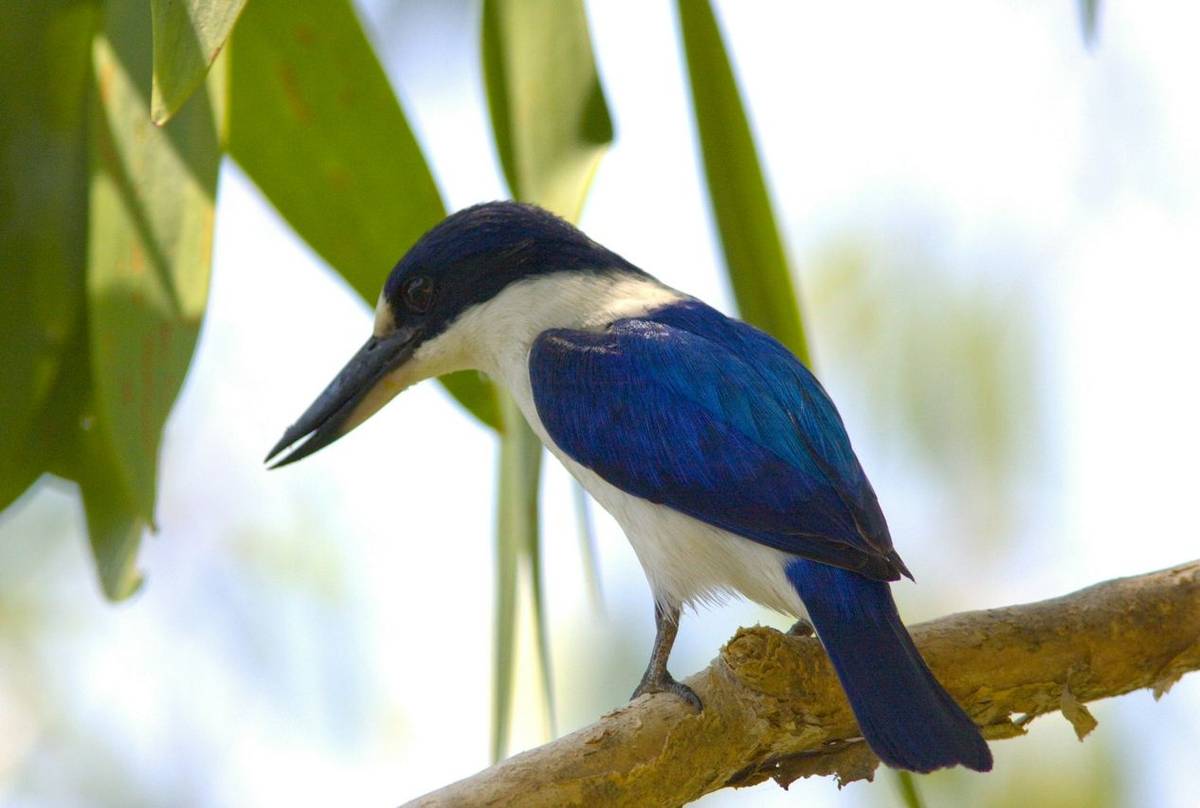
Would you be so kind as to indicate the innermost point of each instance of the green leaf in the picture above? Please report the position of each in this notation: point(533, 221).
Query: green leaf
point(549, 116)
point(63, 220)
point(315, 124)
point(754, 254)
point(188, 35)
point(551, 127)
point(51, 442)
point(115, 528)
point(149, 249)
point(86, 455)
point(67, 441)
point(516, 539)
point(44, 80)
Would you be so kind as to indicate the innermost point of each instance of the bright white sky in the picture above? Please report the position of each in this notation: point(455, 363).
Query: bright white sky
point(322, 634)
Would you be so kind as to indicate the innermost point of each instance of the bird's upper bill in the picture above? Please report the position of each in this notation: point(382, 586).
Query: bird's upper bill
point(464, 261)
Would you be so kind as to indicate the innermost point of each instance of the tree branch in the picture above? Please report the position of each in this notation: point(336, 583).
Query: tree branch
point(773, 707)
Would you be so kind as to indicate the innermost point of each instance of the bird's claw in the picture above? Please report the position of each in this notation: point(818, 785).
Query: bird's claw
point(667, 684)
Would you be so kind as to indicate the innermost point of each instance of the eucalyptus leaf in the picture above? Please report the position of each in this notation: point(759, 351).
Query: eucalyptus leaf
point(188, 36)
point(67, 441)
point(114, 526)
point(549, 116)
point(755, 260)
point(52, 440)
point(45, 48)
point(149, 248)
point(315, 124)
point(115, 529)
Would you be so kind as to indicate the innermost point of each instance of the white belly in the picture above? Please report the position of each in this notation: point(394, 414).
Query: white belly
point(687, 561)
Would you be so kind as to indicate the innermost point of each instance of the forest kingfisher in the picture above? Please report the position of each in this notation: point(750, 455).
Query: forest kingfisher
point(719, 454)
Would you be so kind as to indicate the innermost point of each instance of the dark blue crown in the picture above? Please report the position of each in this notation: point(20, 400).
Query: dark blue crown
point(474, 253)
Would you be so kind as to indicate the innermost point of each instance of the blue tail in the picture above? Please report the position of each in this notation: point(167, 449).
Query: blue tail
point(907, 718)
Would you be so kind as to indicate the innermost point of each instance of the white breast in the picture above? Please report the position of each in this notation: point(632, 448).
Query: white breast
point(686, 561)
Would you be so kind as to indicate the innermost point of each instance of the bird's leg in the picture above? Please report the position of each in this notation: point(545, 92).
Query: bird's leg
point(656, 679)
point(802, 628)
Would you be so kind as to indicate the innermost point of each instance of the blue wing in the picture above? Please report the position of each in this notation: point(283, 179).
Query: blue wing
point(709, 416)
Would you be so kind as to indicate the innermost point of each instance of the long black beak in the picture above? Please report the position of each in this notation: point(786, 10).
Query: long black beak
point(333, 414)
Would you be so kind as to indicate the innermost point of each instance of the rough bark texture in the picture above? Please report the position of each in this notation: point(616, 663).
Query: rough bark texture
point(773, 707)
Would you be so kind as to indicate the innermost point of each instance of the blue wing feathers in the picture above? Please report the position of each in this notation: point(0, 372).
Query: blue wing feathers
point(817, 423)
point(713, 418)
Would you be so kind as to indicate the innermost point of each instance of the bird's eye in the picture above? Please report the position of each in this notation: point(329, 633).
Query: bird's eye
point(418, 294)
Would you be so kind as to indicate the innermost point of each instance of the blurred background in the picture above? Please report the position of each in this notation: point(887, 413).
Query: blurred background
point(996, 235)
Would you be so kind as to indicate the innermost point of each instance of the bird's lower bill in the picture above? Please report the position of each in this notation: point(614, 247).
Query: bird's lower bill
point(372, 378)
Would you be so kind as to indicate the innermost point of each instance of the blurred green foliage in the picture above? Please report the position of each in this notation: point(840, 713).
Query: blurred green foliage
point(108, 247)
point(128, 277)
point(948, 368)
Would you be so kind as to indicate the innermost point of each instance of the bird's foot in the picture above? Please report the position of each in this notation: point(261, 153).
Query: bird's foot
point(667, 684)
point(802, 628)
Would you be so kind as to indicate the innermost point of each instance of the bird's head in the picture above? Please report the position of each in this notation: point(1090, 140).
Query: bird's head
point(461, 264)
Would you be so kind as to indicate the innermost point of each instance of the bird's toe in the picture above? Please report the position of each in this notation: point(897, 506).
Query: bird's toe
point(688, 695)
point(667, 684)
point(802, 628)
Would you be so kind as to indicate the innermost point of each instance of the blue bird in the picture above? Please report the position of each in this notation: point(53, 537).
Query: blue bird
point(719, 454)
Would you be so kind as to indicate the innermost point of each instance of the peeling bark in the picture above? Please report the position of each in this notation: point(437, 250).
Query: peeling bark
point(774, 709)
